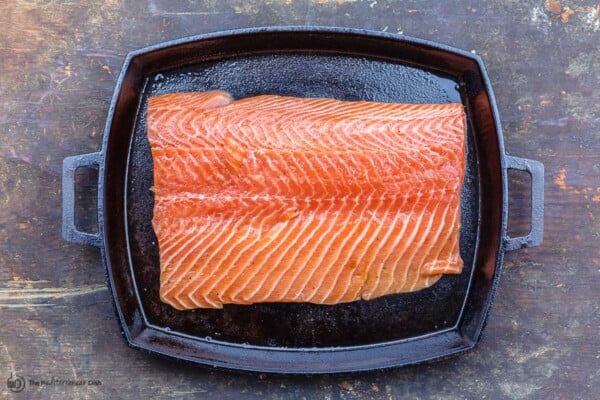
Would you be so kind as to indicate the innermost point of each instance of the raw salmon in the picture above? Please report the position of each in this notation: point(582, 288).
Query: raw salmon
point(284, 199)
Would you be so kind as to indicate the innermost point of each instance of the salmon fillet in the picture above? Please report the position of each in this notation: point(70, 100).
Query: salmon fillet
point(284, 199)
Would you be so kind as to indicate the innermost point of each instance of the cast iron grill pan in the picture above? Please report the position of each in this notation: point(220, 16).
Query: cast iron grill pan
point(400, 329)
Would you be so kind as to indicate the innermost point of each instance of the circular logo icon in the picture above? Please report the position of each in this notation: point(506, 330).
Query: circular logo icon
point(15, 383)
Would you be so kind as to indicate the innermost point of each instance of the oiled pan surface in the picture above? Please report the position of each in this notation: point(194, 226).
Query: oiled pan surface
point(300, 325)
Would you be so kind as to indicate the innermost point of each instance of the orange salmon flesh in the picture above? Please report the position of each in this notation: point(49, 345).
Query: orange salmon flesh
point(285, 199)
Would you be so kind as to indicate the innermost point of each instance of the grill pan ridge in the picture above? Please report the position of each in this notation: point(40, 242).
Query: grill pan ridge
point(347, 64)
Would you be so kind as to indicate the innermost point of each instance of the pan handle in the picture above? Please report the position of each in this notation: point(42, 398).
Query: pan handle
point(69, 231)
point(536, 171)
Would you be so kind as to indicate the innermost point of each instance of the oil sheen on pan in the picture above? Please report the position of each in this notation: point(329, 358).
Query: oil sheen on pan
point(286, 199)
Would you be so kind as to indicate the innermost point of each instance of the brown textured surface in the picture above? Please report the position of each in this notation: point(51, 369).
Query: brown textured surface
point(59, 62)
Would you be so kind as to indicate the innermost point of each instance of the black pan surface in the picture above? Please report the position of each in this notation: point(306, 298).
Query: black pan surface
point(295, 324)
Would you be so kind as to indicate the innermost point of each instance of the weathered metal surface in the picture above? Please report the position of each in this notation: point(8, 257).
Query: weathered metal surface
point(58, 62)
